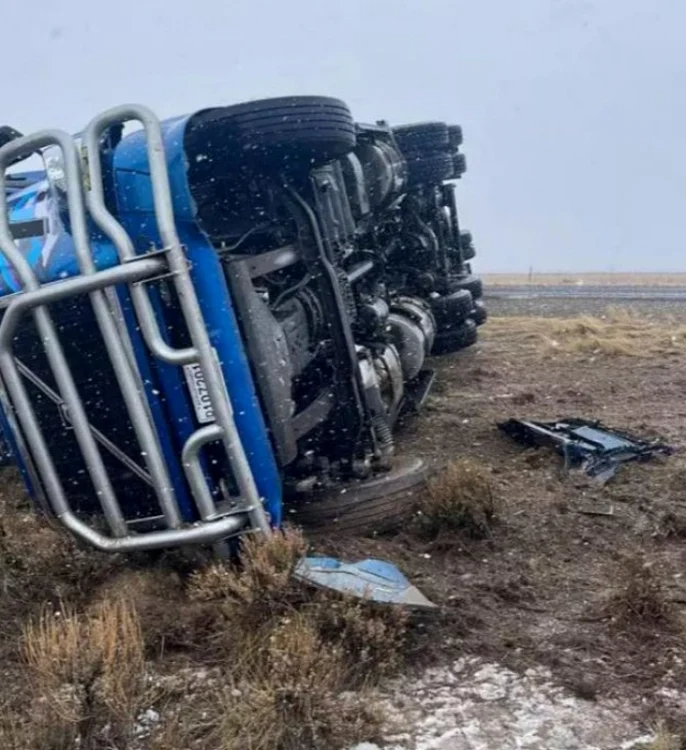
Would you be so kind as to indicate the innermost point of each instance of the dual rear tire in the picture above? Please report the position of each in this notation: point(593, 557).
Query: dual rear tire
point(431, 150)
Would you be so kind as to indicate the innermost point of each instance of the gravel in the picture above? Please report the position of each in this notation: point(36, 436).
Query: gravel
point(478, 705)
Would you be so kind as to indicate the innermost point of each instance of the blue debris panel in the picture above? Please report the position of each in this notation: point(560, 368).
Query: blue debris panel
point(373, 580)
point(589, 446)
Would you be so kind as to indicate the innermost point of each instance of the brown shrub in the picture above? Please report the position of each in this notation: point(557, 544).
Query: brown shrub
point(88, 674)
point(40, 562)
point(372, 639)
point(169, 620)
point(264, 573)
point(248, 597)
point(290, 697)
point(289, 655)
point(460, 498)
point(254, 596)
point(294, 652)
point(639, 601)
point(663, 740)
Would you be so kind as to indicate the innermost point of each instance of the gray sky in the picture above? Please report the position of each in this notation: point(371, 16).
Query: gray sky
point(573, 111)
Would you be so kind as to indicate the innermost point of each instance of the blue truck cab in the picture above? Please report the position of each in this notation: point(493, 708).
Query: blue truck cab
point(211, 325)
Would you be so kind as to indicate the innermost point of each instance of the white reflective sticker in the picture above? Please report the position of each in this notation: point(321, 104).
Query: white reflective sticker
point(199, 393)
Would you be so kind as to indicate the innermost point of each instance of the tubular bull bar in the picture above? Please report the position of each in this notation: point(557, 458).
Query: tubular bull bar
point(135, 271)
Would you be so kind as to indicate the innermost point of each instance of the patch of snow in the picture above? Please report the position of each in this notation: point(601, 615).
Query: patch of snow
point(146, 723)
point(478, 705)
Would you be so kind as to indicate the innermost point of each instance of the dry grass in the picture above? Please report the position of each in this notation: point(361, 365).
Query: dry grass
point(587, 279)
point(291, 696)
point(88, 673)
point(292, 666)
point(639, 601)
point(40, 563)
point(295, 653)
point(460, 498)
point(285, 695)
point(663, 740)
point(249, 597)
point(618, 333)
point(171, 623)
point(264, 575)
point(262, 592)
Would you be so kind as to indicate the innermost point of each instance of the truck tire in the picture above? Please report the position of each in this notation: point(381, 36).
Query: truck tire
point(455, 136)
point(452, 309)
point(468, 253)
point(430, 169)
point(480, 314)
point(467, 246)
point(277, 133)
point(455, 340)
point(366, 507)
point(459, 165)
point(473, 284)
point(422, 138)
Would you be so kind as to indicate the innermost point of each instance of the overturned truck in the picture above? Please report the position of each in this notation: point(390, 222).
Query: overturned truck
point(213, 324)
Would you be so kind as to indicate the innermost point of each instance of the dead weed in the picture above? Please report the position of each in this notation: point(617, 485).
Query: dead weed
point(38, 562)
point(663, 740)
point(264, 574)
point(295, 653)
point(460, 498)
point(88, 674)
point(639, 601)
point(289, 695)
point(262, 591)
point(294, 665)
point(617, 333)
point(171, 623)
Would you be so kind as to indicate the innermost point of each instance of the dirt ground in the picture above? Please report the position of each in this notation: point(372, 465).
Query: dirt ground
point(586, 279)
point(582, 584)
point(536, 592)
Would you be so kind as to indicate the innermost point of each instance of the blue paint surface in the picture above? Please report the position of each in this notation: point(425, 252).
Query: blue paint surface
point(52, 257)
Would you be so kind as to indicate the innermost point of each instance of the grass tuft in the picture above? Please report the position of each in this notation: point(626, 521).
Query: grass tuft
point(293, 697)
point(88, 674)
point(460, 498)
point(663, 740)
point(264, 574)
point(617, 333)
point(289, 666)
point(639, 601)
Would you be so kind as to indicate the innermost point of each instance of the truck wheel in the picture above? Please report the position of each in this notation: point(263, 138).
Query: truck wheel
point(422, 137)
point(455, 136)
point(472, 284)
point(277, 133)
point(480, 314)
point(365, 507)
point(430, 169)
point(452, 341)
point(459, 165)
point(467, 246)
point(452, 309)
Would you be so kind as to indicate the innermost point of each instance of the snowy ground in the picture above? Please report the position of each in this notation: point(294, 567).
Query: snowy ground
point(476, 705)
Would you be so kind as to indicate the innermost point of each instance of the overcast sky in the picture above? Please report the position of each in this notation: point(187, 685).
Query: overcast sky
point(573, 111)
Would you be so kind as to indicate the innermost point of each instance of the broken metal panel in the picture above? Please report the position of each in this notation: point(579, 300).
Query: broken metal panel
point(590, 446)
point(373, 580)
